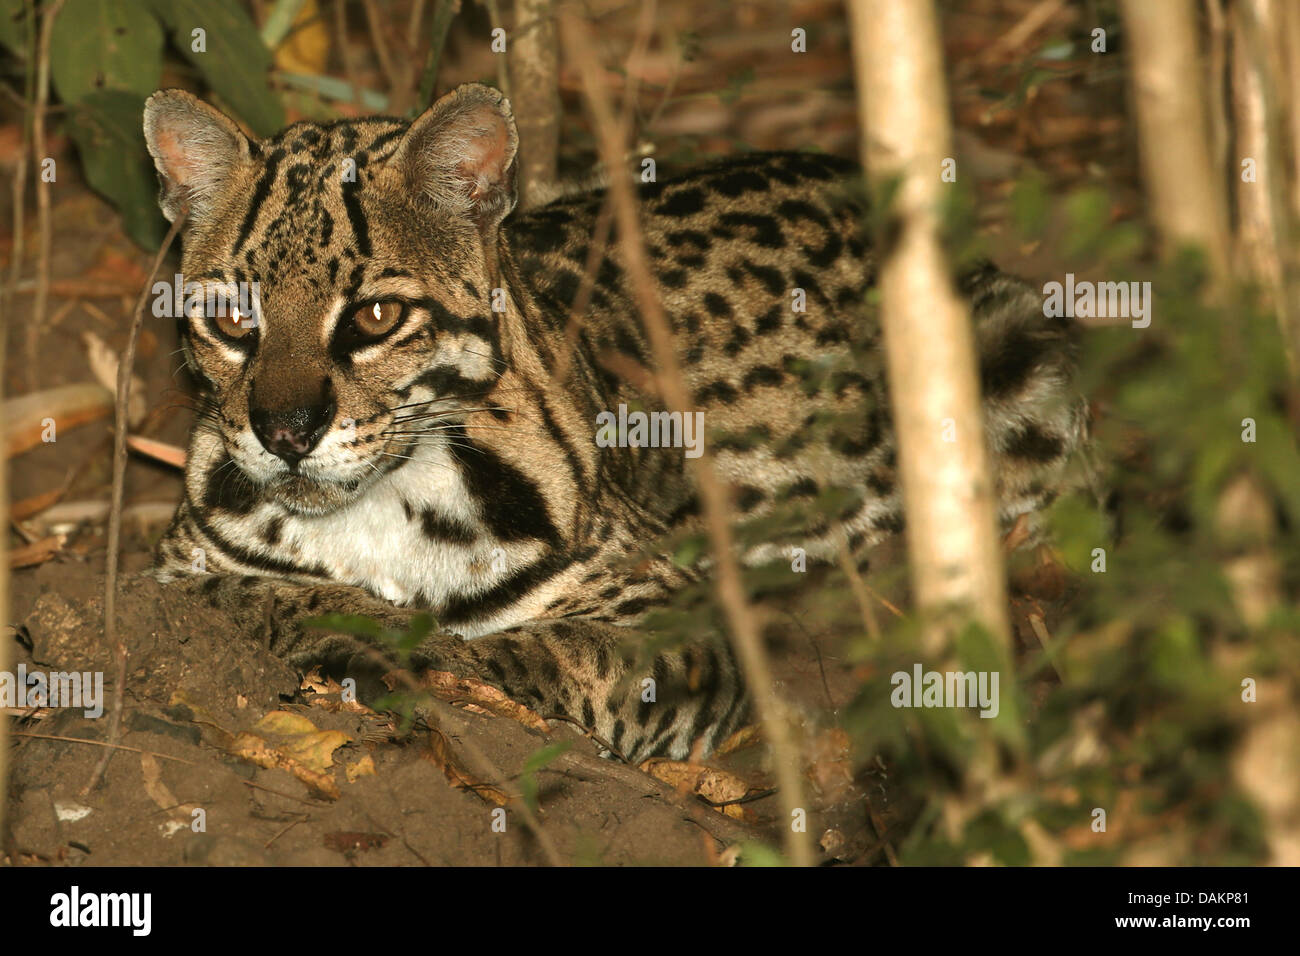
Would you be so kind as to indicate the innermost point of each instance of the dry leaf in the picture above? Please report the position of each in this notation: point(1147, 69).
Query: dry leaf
point(38, 552)
point(365, 767)
point(67, 406)
point(103, 364)
point(301, 739)
point(257, 751)
point(440, 754)
point(292, 742)
point(157, 450)
point(742, 738)
point(715, 786)
point(307, 47)
point(830, 768)
point(449, 687)
point(329, 695)
point(179, 814)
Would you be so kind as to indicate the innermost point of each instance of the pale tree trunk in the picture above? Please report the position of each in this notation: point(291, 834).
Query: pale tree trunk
point(951, 527)
point(1290, 39)
point(535, 94)
point(1263, 224)
point(6, 641)
point(1187, 202)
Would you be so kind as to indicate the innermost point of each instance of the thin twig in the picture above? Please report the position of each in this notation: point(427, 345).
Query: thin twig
point(6, 311)
point(349, 68)
point(714, 495)
point(397, 88)
point(859, 589)
point(37, 318)
point(124, 370)
point(101, 743)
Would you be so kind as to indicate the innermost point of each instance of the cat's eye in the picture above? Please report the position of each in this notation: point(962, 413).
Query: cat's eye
point(235, 324)
point(375, 319)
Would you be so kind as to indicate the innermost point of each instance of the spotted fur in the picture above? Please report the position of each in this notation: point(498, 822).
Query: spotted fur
point(450, 464)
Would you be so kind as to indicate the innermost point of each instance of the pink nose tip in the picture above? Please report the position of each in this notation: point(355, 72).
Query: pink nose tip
point(291, 434)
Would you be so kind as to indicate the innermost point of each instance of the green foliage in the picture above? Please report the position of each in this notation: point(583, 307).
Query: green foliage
point(105, 126)
point(98, 45)
point(1132, 706)
point(107, 56)
point(236, 62)
point(15, 27)
point(536, 761)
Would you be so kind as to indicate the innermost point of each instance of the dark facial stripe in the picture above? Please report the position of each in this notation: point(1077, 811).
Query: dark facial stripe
point(260, 193)
point(352, 203)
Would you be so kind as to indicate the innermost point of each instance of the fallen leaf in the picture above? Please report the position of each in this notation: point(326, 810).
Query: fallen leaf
point(328, 695)
point(179, 814)
point(103, 365)
point(291, 742)
point(440, 754)
point(157, 450)
point(742, 738)
point(365, 767)
point(67, 406)
point(715, 786)
point(257, 751)
point(301, 739)
point(830, 768)
point(449, 687)
point(38, 552)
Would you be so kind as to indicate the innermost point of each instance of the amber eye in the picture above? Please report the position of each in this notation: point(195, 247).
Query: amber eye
point(234, 323)
point(376, 318)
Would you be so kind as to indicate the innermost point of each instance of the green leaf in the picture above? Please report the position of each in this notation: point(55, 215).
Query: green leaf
point(753, 853)
point(15, 29)
point(105, 45)
point(234, 61)
point(106, 129)
point(419, 628)
point(535, 762)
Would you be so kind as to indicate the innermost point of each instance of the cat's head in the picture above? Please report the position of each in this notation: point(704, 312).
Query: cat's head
point(337, 300)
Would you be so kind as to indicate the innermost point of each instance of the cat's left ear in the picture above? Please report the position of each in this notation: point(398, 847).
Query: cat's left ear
point(460, 154)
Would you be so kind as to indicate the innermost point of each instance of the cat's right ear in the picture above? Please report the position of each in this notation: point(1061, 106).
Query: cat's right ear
point(196, 148)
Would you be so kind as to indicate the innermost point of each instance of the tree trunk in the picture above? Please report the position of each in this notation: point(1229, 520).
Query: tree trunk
point(535, 94)
point(951, 527)
point(1263, 220)
point(1187, 203)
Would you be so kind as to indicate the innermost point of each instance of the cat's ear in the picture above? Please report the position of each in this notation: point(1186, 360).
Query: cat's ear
point(196, 148)
point(460, 154)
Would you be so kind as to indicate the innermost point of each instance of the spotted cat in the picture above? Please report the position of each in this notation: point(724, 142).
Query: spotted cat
point(408, 420)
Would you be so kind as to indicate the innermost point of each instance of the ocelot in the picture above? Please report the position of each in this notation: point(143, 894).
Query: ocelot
point(406, 421)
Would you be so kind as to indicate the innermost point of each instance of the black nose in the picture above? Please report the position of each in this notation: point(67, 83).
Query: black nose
point(291, 434)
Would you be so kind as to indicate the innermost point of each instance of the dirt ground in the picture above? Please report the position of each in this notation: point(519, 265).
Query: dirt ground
point(194, 684)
